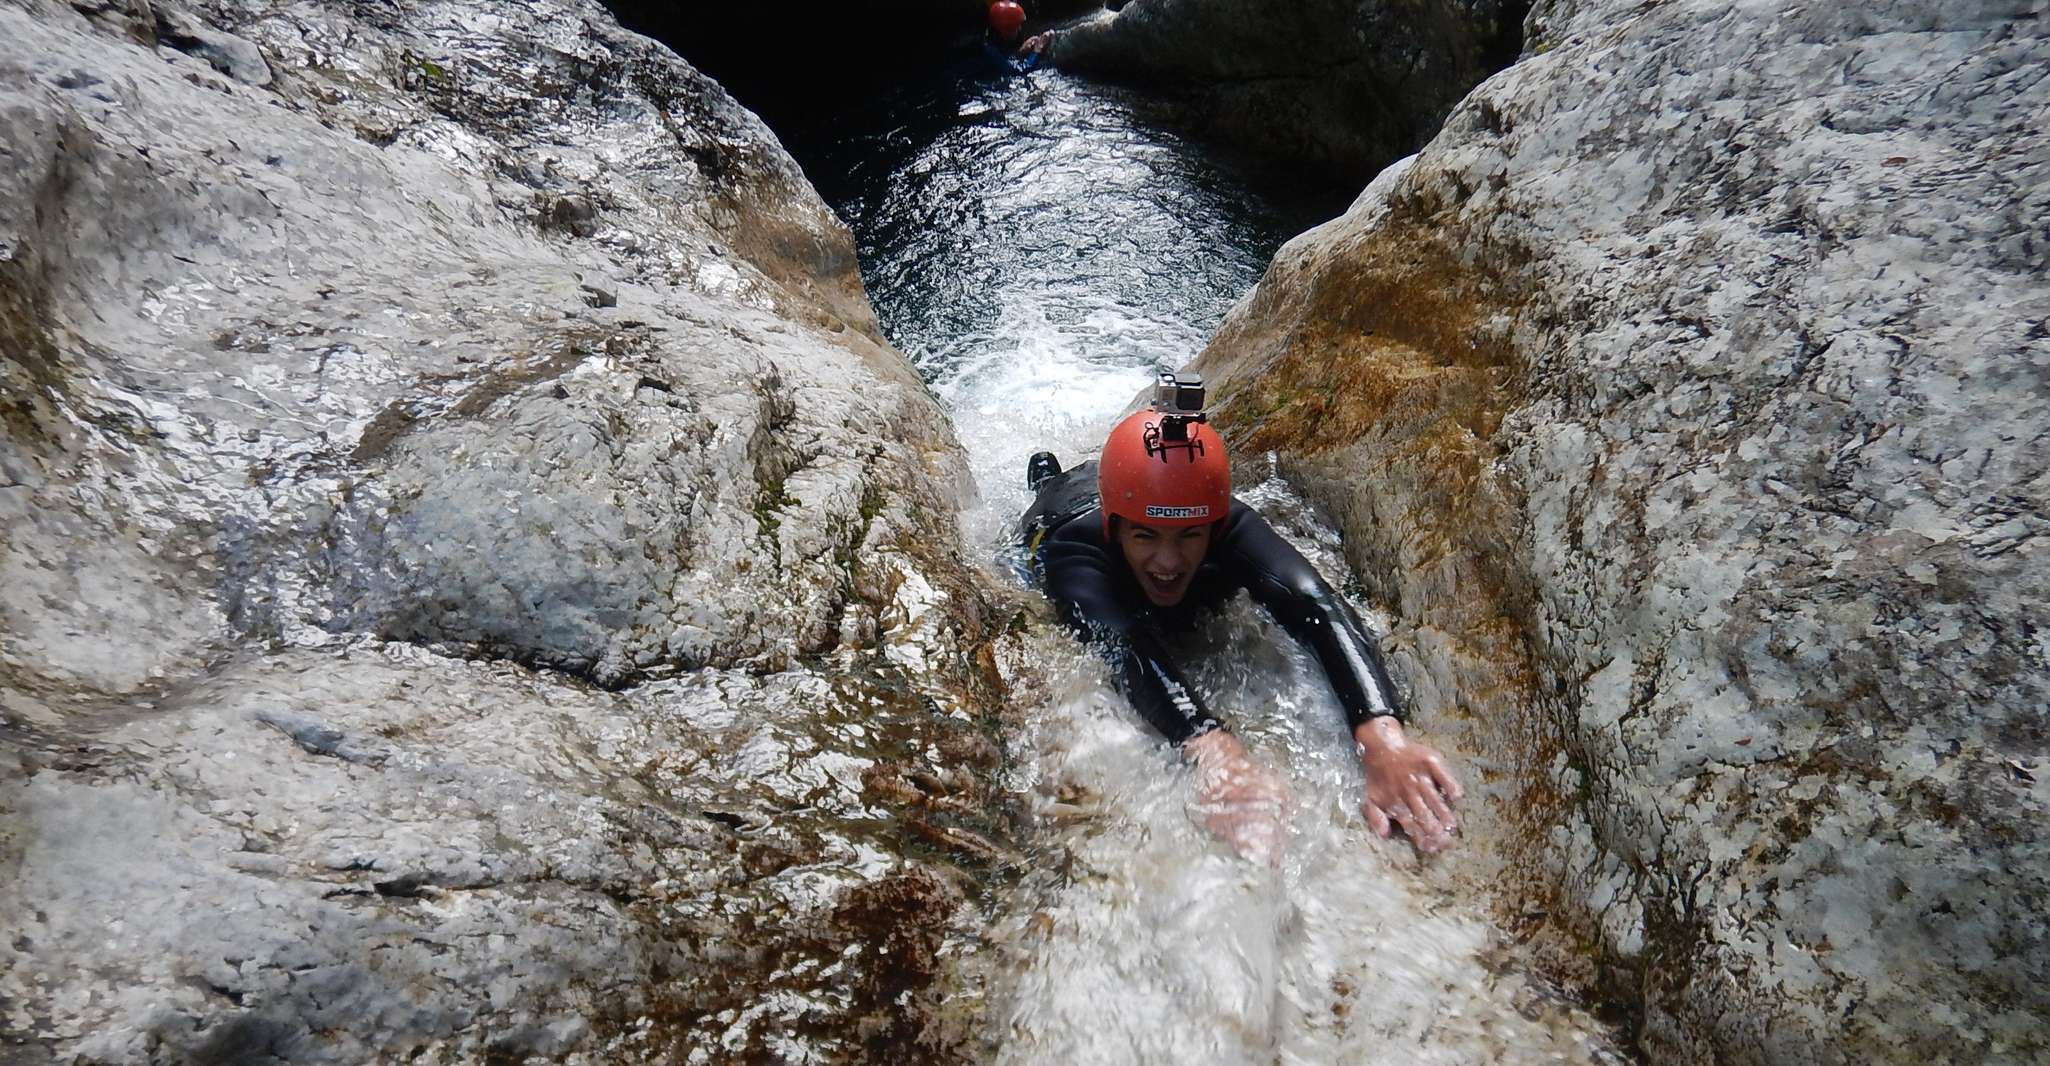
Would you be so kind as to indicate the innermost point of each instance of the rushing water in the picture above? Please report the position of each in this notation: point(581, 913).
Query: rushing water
point(1040, 247)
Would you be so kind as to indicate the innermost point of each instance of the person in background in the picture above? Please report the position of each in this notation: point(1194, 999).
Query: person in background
point(1035, 45)
point(1001, 42)
point(1147, 540)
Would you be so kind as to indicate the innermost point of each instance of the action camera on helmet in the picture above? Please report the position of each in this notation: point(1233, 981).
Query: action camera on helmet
point(1179, 400)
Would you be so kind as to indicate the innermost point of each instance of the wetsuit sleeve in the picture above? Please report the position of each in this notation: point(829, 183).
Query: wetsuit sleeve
point(1282, 581)
point(1008, 61)
point(1080, 583)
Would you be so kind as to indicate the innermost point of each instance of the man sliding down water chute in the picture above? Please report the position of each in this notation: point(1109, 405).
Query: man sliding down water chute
point(1147, 539)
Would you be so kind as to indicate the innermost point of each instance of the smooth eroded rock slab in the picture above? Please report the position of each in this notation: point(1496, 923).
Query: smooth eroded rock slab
point(1683, 397)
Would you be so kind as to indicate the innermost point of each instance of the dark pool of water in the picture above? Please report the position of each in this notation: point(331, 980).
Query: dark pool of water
point(972, 195)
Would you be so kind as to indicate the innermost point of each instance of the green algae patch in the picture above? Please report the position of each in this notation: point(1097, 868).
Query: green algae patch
point(32, 373)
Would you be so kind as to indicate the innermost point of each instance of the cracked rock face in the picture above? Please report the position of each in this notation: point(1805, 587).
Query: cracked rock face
point(450, 476)
point(1351, 84)
point(1684, 397)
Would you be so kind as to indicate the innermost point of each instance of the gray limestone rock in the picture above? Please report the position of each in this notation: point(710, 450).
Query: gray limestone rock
point(467, 334)
point(1684, 397)
point(376, 853)
point(352, 381)
point(225, 52)
point(1352, 84)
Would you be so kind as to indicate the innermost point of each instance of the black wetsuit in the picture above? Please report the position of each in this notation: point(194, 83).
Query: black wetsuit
point(1086, 576)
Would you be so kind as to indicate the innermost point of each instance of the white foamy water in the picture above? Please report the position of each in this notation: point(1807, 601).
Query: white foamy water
point(1139, 938)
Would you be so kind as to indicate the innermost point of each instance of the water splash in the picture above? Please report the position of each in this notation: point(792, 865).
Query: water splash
point(1139, 938)
point(1040, 248)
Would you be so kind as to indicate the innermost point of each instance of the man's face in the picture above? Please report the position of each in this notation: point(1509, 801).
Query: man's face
point(1163, 558)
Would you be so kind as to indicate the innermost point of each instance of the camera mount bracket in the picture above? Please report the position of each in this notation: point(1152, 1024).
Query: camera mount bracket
point(1179, 399)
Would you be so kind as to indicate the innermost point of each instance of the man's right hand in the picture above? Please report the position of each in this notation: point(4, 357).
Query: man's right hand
point(1408, 785)
point(1239, 801)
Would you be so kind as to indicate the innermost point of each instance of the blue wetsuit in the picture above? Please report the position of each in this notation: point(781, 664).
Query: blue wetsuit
point(1005, 58)
point(1086, 576)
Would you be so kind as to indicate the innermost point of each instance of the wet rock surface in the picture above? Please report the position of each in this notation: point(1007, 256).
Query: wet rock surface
point(467, 550)
point(1351, 84)
point(1680, 400)
point(377, 852)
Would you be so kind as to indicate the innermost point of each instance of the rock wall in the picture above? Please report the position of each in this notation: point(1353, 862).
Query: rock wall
point(1683, 397)
point(476, 584)
point(1348, 84)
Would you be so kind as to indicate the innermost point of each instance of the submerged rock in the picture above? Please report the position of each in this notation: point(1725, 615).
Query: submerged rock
point(1352, 84)
point(1682, 397)
point(347, 353)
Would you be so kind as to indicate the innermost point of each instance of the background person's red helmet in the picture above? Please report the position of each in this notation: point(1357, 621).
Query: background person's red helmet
point(1145, 476)
point(1005, 16)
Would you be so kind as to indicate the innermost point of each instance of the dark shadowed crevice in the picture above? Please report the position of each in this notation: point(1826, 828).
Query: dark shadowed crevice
point(784, 61)
point(1345, 86)
point(1507, 44)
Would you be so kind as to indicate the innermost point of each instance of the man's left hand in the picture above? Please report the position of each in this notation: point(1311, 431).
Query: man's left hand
point(1408, 785)
point(1238, 800)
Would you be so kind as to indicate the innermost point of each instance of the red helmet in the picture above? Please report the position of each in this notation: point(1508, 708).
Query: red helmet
point(1005, 16)
point(1147, 476)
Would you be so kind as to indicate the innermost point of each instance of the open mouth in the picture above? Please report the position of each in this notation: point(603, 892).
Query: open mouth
point(1162, 589)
